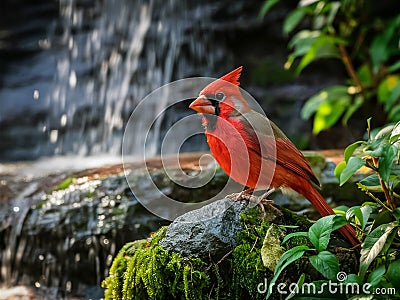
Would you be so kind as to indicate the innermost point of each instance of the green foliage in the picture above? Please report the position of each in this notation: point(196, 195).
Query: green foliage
point(377, 222)
point(366, 45)
point(322, 260)
point(66, 183)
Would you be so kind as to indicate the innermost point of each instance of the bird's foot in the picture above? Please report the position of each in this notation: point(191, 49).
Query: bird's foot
point(243, 195)
point(261, 201)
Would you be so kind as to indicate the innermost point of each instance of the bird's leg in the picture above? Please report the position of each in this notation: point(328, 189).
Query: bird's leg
point(243, 195)
point(263, 197)
point(259, 200)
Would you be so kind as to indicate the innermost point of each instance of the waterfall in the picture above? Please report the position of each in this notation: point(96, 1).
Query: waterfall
point(98, 60)
point(109, 56)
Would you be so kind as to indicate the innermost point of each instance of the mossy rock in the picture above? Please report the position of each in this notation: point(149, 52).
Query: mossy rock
point(145, 270)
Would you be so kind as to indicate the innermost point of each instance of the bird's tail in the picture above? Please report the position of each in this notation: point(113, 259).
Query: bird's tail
point(309, 191)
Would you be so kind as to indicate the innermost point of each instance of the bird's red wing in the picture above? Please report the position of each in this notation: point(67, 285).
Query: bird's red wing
point(292, 159)
point(283, 150)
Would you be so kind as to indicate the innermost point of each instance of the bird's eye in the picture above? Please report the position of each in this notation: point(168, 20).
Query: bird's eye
point(219, 96)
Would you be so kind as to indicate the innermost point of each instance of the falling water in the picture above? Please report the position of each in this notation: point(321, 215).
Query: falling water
point(110, 55)
point(105, 57)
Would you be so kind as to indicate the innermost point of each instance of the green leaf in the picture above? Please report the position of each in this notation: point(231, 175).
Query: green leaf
point(333, 9)
point(320, 232)
point(328, 94)
point(339, 221)
point(373, 244)
point(326, 263)
point(355, 211)
point(364, 75)
point(369, 127)
point(352, 166)
point(353, 278)
point(298, 283)
point(386, 86)
point(339, 169)
point(366, 212)
point(380, 49)
point(348, 152)
point(394, 67)
point(341, 209)
point(324, 46)
point(267, 6)
point(66, 183)
point(386, 162)
point(393, 274)
point(382, 218)
point(293, 234)
point(302, 41)
point(293, 19)
point(393, 97)
point(396, 213)
point(376, 276)
point(394, 138)
point(371, 181)
point(287, 258)
point(358, 102)
point(361, 213)
point(304, 3)
point(328, 113)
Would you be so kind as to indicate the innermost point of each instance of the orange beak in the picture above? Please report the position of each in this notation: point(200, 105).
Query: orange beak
point(202, 105)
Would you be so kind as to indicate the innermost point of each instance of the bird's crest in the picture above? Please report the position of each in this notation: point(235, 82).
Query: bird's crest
point(233, 76)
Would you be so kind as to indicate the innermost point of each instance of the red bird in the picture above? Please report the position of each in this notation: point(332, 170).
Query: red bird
point(251, 149)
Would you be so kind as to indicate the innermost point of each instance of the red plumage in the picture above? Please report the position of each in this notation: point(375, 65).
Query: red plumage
point(251, 149)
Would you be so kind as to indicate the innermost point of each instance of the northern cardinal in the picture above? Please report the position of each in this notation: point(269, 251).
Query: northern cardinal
point(252, 150)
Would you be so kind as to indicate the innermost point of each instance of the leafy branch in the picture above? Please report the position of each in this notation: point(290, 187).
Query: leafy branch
point(366, 45)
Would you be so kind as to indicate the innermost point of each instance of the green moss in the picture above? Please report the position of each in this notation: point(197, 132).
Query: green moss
point(144, 270)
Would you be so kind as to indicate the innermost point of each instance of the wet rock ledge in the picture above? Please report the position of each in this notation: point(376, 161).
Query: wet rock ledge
point(223, 250)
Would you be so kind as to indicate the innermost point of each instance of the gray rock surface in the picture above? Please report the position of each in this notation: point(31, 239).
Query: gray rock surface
point(204, 232)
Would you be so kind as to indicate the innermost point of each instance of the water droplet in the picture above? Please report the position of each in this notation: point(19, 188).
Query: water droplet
point(37, 284)
point(53, 136)
point(41, 257)
point(68, 286)
point(72, 79)
point(44, 44)
point(70, 43)
point(106, 241)
point(36, 94)
point(16, 209)
point(63, 120)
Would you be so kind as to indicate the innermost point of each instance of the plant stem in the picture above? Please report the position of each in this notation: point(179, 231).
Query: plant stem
point(386, 192)
point(376, 199)
point(349, 66)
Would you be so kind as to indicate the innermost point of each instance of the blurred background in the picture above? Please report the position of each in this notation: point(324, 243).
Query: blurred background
point(71, 73)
